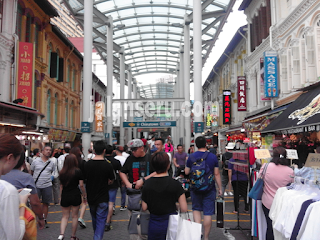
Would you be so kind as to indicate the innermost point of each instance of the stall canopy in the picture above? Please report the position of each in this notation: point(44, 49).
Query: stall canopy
point(301, 116)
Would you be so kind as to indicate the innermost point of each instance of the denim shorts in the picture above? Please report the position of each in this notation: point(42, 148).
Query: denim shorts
point(204, 201)
point(113, 194)
point(46, 194)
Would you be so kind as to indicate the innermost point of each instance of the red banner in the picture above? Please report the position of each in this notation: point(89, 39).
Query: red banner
point(226, 107)
point(242, 94)
point(25, 73)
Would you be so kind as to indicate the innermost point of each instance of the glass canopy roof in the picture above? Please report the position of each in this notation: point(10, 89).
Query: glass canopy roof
point(151, 31)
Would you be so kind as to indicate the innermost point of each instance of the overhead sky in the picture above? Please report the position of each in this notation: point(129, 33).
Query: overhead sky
point(235, 20)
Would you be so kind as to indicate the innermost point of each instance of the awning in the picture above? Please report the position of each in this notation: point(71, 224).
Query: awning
point(301, 116)
point(20, 108)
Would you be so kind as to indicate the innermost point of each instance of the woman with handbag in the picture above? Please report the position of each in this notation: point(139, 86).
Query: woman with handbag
point(159, 195)
point(278, 174)
point(12, 220)
point(70, 178)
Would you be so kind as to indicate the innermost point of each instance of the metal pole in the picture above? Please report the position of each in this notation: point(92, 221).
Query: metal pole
point(109, 25)
point(197, 63)
point(122, 78)
point(130, 106)
point(186, 76)
point(87, 72)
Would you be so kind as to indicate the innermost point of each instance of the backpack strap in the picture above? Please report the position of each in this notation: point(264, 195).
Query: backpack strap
point(204, 156)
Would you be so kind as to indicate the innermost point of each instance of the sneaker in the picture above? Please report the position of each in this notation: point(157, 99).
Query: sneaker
point(61, 237)
point(225, 194)
point(230, 194)
point(81, 222)
point(123, 208)
point(114, 211)
point(46, 224)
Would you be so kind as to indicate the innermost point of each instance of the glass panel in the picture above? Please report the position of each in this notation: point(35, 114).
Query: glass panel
point(105, 6)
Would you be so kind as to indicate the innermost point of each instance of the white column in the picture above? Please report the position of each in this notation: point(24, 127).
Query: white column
point(87, 71)
point(186, 77)
point(122, 80)
point(130, 106)
point(181, 94)
point(134, 82)
point(109, 26)
point(197, 63)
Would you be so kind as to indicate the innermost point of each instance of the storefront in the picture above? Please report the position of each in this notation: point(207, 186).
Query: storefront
point(298, 127)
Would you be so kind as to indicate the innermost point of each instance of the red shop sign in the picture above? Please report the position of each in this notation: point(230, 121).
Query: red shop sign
point(242, 94)
point(226, 107)
point(25, 73)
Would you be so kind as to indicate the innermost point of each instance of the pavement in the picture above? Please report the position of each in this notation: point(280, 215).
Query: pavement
point(120, 222)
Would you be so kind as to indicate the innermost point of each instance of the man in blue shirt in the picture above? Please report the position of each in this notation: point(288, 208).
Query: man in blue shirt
point(204, 201)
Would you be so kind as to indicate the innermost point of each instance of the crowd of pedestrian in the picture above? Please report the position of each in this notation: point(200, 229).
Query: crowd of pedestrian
point(142, 170)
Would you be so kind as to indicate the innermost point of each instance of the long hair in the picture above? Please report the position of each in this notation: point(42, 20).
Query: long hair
point(69, 169)
point(280, 156)
point(9, 144)
point(77, 152)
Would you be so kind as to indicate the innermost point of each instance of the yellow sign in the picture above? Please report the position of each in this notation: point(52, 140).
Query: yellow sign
point(262, 153)
point(99, 113)
point(131, 124)
point(313, 160)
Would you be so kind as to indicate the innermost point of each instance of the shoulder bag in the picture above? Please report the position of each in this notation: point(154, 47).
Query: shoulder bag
point(257, 189)
point(42, 171)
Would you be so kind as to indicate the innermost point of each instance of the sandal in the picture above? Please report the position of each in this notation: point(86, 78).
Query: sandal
point(61, 237)
point(235, 212)
point(74, 238)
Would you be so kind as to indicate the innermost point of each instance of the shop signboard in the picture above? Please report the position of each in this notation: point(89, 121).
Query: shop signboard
point(242, 94)
point(25, 74)
point(86, 127)
point(99, 115)
point(262, 97)
point(313, 160)
point(227, 107)
point(215, 113)
point(271, 74)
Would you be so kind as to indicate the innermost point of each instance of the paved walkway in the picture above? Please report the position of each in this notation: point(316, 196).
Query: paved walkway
point(120, 223)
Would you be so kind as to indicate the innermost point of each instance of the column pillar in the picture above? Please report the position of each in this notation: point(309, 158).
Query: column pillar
point(122, 80)
point(181, 95)
point(87, 71)
point(109, 26)
point(130, 105)
point(134, 85)
point(197, 63)
point(186, 76)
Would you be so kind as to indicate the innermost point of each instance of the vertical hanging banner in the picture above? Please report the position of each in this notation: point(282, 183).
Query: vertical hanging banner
point(99, 114)
point(242, 94)
point(215, 113)
point(262, 97)
point(226, 107)
point(271, 74)
point(25, 74)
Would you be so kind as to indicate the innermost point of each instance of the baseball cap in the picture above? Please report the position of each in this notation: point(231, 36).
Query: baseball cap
point(144, 141)
point(135, 143)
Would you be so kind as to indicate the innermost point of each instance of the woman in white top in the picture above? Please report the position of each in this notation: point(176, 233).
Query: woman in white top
point(12, 222)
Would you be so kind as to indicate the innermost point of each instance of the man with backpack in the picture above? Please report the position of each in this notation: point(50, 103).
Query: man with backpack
point(203, 169)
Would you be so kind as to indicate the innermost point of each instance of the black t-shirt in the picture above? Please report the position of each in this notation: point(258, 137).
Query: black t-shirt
point(137, 167)
point(97, 174)
point(72, 187)
point(225, 162)
point(116, 168)
point(161, 194)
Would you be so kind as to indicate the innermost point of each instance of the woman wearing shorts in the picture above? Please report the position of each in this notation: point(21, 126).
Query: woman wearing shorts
point(70, 177)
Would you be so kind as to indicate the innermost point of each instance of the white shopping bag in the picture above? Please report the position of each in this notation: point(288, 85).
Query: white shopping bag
point(172, 227)
point(188, 230)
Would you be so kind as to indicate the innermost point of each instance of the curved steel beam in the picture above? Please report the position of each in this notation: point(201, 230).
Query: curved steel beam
point(153, 57)
point(159, 64)
point(152, 60)
point(151, 39)
point(147, 72)
point(148, 32)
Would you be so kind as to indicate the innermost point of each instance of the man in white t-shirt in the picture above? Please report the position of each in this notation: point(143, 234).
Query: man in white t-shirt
point(119, 151)
point(91, 154)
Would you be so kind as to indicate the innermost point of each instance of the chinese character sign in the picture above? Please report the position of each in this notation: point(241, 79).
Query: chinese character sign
point(25, 73)
point(215, 113)
point(271, 74)
point(242, 94)
point(226, 107)
point(99, 113)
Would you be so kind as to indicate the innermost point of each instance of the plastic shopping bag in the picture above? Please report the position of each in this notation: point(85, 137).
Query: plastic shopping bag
point(188, 230)
point(172, 227)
